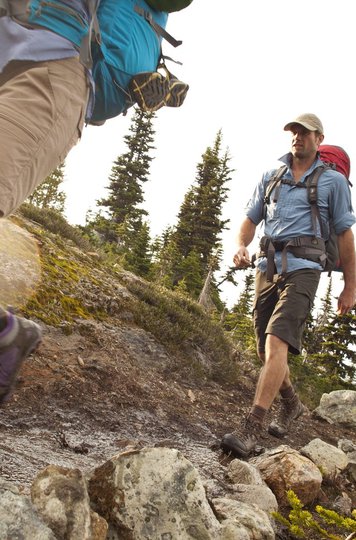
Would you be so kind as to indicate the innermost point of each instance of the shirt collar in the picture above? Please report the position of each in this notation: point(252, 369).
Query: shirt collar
point(287, 160)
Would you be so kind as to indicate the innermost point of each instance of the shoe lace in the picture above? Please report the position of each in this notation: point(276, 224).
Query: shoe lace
point(287, 410)
point(249, 428)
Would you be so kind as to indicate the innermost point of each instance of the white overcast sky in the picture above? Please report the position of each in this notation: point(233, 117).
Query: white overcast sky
point(252, 66)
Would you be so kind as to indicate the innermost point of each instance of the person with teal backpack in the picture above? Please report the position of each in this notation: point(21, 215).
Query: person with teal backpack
point(65, 63)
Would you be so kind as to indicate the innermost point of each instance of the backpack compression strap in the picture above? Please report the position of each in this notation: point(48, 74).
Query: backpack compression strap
point(156, 27)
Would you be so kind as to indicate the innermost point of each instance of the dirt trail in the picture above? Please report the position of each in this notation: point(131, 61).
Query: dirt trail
point(76, 404)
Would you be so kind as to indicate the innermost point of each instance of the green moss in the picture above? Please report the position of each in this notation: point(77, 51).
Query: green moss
point(75, 285)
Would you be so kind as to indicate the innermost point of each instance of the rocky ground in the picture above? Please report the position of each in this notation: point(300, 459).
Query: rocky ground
point(105, 386)
point(86, 396)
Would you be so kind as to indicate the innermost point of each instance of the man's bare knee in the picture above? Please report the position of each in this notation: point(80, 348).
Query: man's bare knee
point(275, 343)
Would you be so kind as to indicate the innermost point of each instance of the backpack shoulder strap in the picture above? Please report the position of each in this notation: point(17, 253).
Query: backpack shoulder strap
point(273, 182)
point(312, 189)
point(94, 31)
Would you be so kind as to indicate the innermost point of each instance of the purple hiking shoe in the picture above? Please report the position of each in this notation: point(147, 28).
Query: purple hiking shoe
point(18, 340)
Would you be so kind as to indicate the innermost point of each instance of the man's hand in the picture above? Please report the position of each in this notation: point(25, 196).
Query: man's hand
point(346, 245)
point(346, 301)
point(242, 258)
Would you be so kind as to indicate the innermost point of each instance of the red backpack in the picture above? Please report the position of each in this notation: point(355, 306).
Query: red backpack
point(337, 158)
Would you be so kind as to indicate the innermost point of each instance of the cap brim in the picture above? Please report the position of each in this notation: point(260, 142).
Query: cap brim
point(289, 126)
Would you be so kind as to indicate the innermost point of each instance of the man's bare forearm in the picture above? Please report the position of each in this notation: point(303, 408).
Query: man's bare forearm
point(246, 233)
point(346, 245)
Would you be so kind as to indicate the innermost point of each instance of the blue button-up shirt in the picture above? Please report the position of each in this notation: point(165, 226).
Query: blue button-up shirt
point(290, 215)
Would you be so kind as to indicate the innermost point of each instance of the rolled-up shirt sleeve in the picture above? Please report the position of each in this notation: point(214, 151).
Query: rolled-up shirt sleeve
point(254, 209)
point(340, 206)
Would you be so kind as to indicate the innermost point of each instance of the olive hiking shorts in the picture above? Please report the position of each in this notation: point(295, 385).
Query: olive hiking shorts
point(282, 307)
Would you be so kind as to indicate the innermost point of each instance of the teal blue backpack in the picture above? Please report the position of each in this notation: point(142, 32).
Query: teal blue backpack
point(128, 43)
point(118, 39)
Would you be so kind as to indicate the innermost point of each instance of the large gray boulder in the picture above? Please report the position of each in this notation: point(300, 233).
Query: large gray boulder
point(61, 498)
point(338, 407)
point(153, 493)
point(18, 518)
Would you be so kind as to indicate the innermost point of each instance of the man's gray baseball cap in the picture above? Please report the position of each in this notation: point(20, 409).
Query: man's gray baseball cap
point(309, 121)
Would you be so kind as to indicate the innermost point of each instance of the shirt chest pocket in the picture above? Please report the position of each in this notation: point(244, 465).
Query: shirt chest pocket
point(286, 201)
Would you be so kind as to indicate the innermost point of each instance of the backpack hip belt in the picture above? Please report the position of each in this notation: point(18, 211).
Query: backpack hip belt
point(305, 247)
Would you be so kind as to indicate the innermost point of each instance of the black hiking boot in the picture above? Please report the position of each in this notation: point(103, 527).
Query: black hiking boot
point(290, 410)
point(243, 441)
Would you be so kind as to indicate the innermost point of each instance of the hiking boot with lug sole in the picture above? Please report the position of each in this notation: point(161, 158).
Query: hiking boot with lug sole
point(18, 340)
point(243, 441)
point(290, 410)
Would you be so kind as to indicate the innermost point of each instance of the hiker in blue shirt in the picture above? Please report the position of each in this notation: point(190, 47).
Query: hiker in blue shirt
point(286, 284)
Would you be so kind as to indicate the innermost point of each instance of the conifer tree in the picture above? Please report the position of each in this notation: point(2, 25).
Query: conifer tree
point(124, 215)
point(120, 221)
point(338, 355)
point(48, 193)
point(330, 343)
point(138, 257)
point(315, 326)
point(197, 235)
point(200, 224)
point(190, 270)
point(166, 259)
point(239, 320)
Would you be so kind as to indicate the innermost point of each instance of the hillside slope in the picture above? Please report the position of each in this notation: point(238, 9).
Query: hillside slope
point(124, 364)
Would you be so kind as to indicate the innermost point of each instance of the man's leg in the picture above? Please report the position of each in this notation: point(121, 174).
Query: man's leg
point(243, 441)
point(299, 290)
point(42, 109)
point(270, 384)
point(273, 373)
point(287, 383)
point(286, 391)
point(284, 332)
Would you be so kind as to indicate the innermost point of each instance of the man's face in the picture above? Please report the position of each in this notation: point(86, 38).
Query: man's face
point(305, 143)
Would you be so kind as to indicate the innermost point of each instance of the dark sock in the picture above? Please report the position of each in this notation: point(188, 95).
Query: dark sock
point(287, 393)
point(258, 413)
point(3, 321)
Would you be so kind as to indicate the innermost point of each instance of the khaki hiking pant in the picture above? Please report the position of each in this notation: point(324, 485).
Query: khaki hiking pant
point(42, 112)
